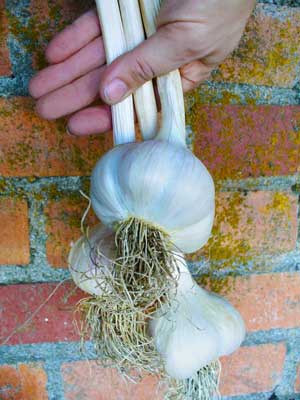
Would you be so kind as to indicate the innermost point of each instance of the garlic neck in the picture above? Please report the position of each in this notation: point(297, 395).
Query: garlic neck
point(115, 45)
point(144, 98)
point(169, 87)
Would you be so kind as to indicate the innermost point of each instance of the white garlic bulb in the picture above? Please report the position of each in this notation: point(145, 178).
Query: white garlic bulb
point(197, 329)
point(161, 183)
point(90, 259)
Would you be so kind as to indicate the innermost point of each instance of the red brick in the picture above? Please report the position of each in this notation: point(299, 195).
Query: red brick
point(5, 66)
point(247, 141)
point(52, 323)
point(63, 227)
point(88, 380)
point(267, 301)
point(48, 18)
point(23, 382)
point(14, 232)
point(269, 51)
point(252, 370)
point(252, 224)
point(32, 146)
point(297, 383)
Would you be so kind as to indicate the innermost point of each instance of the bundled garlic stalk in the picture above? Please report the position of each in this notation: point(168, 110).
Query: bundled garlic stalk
point(155, 195)
point(189, 335)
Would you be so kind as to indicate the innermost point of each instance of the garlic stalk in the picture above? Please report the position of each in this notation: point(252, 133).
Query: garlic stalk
point(169, 85)
point(115, 45)
point(144, 98)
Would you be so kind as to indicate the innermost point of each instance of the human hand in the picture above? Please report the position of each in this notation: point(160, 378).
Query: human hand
point(195, 36)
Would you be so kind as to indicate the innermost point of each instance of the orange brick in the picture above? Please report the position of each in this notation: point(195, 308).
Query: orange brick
point(297, 383)
point(48, 18)
point(267, 301)
point(32, 146)
point(252, 370)
point(5, 66)
point(14, 232)
point(269, 51)
point(251, 224)
point(88, 380)
point(239, 142)
point(63, 227)
point(23, 382)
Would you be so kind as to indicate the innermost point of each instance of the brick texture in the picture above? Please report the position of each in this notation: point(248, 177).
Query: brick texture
point(14, 232)
point(63, 227)
point(247, 141)
point(31, 146)
point(252, 370)
point(54, 322)
point(23, 382)
point(269, 51)
point(88, 380)
point(251, 224)
point(5, 66)
point(297, 382)
point(267, 301)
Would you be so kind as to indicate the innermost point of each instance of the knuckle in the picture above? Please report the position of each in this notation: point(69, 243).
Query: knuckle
point(142, 71)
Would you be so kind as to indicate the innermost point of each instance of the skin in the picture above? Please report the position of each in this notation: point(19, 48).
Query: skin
point(194, 36)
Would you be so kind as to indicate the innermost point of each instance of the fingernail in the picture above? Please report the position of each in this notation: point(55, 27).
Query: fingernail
point(115, 91)
point(69, 132)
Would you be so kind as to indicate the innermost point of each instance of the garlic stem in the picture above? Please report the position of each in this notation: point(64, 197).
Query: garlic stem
point(169, 86)
point(115, 45)
point(144, 98)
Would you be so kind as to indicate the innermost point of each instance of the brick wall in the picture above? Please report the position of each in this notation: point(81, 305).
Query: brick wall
point(245, 126)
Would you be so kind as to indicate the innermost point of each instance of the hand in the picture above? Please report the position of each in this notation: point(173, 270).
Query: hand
point(195, 36)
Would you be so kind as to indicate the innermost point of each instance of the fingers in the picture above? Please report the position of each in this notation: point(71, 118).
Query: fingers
point(161, 53)
point(58, 75)
point(70, 98)
point(73, 38)
point(193, 74)
point(90, 121)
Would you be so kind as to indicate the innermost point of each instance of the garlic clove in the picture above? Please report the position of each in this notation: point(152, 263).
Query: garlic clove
point(89, 259)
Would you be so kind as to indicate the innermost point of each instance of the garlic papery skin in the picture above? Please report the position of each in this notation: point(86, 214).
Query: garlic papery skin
point(90, 260)
point(196, 329)
point(158, 182)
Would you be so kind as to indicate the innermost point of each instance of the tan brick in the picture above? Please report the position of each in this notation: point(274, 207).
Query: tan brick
point(251, 224)
point(31, 146)
point(252, 370)
point(63, 227)
point(239, 142)
point(23, 382)
point(5, 66)
point(14, 232)
point(268, 301)
point(88, 380)
point(269, 51)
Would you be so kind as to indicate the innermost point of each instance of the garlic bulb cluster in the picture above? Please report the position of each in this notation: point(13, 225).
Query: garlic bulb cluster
point(192, 332)
point(158, 182)
point(197, 329)
point(156, 201)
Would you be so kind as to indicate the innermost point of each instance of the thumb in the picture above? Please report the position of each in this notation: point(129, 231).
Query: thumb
point(155, 56)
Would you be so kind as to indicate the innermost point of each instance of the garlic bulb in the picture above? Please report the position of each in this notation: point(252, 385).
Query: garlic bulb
point(197, 329)
point(158, 182)
point(90, 260)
